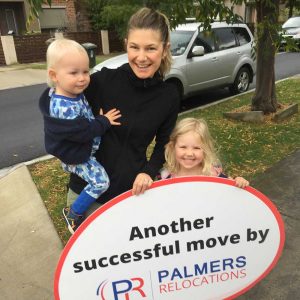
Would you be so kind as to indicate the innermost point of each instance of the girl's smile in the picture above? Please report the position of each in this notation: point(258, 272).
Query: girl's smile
point(189, 153)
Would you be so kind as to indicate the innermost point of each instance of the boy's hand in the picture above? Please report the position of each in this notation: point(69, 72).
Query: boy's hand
point(112, 115)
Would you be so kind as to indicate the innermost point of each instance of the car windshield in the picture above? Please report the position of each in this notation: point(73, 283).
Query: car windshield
point(292, 22)
point(179, 41)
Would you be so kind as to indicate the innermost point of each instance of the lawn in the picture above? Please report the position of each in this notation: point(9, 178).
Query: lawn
point(246, 149)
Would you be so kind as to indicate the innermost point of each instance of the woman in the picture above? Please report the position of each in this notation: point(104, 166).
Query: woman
point(148, 105)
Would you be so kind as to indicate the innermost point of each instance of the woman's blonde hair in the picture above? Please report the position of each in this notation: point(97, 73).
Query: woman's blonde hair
point(146, 18)
point(198, 126)
point(56, 50)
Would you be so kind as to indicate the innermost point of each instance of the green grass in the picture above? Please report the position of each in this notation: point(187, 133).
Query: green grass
point(245, 149)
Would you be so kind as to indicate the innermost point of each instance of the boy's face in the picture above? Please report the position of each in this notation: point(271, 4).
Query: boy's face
point(71, 74)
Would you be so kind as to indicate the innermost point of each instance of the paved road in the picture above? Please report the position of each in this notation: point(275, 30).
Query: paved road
point(21, 127)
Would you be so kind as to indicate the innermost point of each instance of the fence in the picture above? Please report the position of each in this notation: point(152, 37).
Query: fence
point(32, 48)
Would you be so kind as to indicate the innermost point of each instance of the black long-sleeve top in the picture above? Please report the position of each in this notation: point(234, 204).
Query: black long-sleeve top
point(149, 109)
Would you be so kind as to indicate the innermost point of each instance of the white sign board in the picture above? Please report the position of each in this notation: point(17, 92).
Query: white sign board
point(185, 238)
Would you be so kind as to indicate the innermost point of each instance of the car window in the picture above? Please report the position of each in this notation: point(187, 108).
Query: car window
point(242, 35)
point(225, 38)
point(205, 39)
point(179, 41)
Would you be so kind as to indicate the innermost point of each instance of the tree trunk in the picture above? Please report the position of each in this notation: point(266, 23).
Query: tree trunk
point(291, 8)
point(264, 98)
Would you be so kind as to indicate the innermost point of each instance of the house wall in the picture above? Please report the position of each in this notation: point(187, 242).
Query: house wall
point(2, 58)
point(32, 48)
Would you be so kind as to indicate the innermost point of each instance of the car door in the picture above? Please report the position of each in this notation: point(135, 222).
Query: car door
point(215, 67)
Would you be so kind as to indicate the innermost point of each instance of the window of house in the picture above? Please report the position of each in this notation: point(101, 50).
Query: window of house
point(53, 18)
point(11, 21)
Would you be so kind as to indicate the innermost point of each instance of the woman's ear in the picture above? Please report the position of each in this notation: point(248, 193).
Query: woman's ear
point(166, 49)
point(125, 44)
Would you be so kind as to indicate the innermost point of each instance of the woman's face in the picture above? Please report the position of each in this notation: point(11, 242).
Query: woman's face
point(145, 51)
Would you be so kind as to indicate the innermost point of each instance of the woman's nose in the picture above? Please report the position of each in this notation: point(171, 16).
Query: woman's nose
point(142, 55)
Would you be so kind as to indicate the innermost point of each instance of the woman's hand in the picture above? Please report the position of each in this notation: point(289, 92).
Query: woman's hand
point(241, 182)
point(112, 115)
point(142, 182)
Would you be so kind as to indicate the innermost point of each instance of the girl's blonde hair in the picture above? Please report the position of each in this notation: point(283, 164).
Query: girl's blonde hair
point(56, 50)
point(198, 126)
point(147, 18)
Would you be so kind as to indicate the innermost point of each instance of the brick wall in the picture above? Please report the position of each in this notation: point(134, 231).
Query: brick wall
point(115, 44)
point(32, 48)
point(86, 37)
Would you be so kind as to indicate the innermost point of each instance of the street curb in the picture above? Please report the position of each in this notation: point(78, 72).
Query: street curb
point(5, 171)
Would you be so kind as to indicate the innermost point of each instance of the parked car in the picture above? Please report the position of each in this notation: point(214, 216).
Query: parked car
point(291, 29)
point(222, 57)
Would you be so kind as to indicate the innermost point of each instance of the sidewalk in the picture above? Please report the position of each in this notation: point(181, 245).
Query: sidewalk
point(30, 247)
point(29, 244)
point(17, 76)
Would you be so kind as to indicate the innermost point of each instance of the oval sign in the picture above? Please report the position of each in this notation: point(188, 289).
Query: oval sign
point(185, 238)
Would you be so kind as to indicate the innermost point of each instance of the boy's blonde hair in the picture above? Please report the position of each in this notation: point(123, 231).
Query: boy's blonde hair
point(198, 126)
point(147, 18)
point(56, 50)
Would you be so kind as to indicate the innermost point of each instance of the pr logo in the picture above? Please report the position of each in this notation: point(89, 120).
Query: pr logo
point(121, 289)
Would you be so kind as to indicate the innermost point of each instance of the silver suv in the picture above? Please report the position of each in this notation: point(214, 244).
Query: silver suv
point(206, 60)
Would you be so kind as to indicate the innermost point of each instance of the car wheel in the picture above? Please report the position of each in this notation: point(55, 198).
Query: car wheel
point(241, 82)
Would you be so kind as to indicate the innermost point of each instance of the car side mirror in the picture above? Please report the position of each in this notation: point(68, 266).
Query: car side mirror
point(198, 51)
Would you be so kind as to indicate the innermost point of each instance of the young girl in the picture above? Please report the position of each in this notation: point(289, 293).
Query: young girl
point(191, 151)
point(72, 133)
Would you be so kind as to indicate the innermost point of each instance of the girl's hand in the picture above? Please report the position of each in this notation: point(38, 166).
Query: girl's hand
point(112, 115)
point(241, 182)
point(142, 182)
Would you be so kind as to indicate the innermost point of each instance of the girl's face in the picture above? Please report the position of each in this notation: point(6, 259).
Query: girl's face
point(71, 74)
point(145, 51)
point(189, 153)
